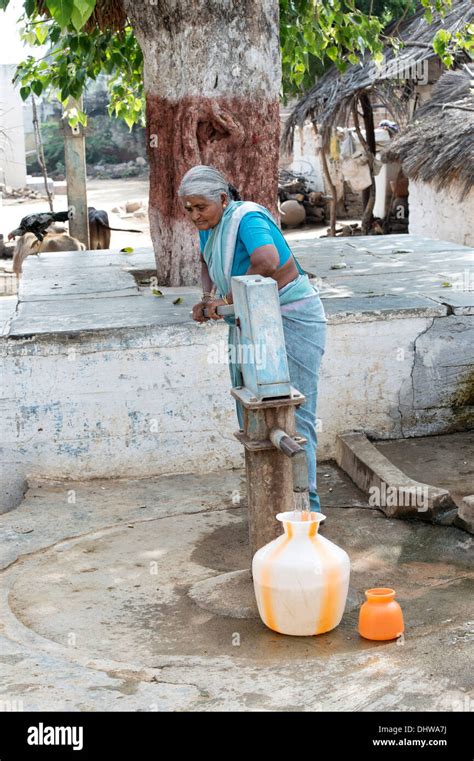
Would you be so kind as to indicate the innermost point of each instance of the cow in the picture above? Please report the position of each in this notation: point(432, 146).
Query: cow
point(99, 229)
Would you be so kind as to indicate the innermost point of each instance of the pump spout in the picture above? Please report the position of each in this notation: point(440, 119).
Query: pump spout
point(300, 472)
point(293, 449)
point(285, 443)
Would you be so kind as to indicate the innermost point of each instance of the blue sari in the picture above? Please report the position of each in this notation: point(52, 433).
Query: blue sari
point(304, 328)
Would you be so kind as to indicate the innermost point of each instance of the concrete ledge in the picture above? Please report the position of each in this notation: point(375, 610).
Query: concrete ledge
point(465, 516)
point(389, 489)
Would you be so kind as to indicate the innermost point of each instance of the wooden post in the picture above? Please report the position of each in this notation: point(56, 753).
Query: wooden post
point(369, 146)
point(40, 151)
point(269, 472)
point(327, 175)
point(75, 163)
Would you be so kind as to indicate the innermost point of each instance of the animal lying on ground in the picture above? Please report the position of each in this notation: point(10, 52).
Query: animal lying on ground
point(29, 244)
point(38, 223)
point(99, 229)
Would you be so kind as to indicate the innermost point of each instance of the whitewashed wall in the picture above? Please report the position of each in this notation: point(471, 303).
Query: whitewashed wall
point(12, 138)
point(138, 402)
point(440, 213)
point(306, 156)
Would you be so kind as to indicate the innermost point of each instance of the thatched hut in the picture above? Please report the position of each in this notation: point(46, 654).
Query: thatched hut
point(330, 101)
point(401, 83)
point(437, 154)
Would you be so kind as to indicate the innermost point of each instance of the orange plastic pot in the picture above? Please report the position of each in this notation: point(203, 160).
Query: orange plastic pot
point(380, 616)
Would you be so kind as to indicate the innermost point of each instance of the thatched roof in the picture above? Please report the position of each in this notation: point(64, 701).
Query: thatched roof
point(330, 101)
point(438, 145)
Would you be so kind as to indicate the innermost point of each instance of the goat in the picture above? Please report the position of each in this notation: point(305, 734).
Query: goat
point(29, 244)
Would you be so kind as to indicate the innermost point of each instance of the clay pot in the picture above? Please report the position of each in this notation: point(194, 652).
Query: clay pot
point(380, 617)
point(292, 213)
point(301, 579)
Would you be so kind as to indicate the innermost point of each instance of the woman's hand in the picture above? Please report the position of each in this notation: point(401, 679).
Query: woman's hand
point(198, 312)
point(211, 306)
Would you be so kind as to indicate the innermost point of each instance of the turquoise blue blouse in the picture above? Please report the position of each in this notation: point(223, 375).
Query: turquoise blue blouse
point(254, 231)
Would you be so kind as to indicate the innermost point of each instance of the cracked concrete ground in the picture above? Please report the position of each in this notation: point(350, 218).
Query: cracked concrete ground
point(99, 609)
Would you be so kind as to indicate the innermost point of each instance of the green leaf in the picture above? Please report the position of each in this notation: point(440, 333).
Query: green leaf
point(37, 87)
point(179, 300)
point(55, 34)
point(441, 41)
point(61, 11)
point(24, 92)
point(156, 292)
point(129, 119)
point(127, 250)
point(81, 12)
point(41, 32)
point(29, 37)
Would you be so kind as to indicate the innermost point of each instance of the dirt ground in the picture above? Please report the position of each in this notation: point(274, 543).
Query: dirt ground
point(106, 194)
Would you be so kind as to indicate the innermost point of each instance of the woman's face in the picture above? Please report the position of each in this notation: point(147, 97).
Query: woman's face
point(203, 212)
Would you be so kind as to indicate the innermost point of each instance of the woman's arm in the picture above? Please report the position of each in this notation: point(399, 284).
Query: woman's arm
point(264, 261)
point(207, 284)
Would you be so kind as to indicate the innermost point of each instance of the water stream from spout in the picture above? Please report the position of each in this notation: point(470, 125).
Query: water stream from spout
point(301, 501)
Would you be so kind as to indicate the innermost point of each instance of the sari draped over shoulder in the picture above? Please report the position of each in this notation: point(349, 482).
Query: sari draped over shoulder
point(304, 327)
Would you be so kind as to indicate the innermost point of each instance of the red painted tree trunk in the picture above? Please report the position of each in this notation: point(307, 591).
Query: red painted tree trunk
point(212, 83)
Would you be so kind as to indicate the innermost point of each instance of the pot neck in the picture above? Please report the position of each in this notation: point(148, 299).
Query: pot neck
point(380, 594)
point(300, 524)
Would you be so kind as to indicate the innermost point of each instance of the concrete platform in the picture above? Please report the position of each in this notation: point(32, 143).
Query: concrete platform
point(103, 379)
point(384, 275)
point(100, 610)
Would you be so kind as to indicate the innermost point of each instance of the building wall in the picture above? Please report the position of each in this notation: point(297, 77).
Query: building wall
point(12, 140)
point(440, 213)
point(306, 156)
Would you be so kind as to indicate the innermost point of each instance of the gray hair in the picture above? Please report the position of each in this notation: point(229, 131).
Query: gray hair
point(204, 181)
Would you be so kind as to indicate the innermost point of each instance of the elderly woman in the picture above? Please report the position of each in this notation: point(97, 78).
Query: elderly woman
point(242, 238)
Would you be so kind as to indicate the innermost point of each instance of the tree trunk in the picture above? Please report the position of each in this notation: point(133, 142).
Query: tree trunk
point(369, 146)
point(212, 84)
